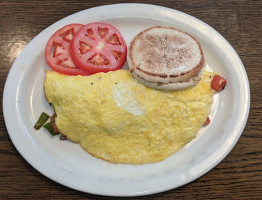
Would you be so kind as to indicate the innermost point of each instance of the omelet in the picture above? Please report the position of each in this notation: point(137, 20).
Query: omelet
point(115, 118)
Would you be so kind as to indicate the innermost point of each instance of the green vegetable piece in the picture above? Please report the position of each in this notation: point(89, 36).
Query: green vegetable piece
point(48, 126)
point(41, 121)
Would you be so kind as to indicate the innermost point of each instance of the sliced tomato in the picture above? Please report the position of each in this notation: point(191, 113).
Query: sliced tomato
point(57, 53)
point(98, 47)
point(218, 83)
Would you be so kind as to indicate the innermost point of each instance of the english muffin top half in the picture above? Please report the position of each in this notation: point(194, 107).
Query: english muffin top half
point(166, 58)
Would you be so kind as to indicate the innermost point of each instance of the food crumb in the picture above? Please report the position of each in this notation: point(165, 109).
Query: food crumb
point(63, 137)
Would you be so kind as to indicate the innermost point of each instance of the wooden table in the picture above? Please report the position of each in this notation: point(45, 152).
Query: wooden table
point(238, 176)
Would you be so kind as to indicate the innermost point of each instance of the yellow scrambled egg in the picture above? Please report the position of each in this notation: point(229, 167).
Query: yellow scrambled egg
point(117, 119)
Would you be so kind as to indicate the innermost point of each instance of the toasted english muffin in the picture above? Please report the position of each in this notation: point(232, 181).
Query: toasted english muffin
point(166, 58)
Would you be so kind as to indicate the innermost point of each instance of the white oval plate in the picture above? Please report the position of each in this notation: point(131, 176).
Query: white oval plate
point(67, 164)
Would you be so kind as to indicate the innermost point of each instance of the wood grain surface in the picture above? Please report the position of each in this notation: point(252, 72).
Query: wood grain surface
point(238, 176)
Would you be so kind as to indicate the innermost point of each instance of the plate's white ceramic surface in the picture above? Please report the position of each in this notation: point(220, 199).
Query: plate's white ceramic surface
point(66, 163)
